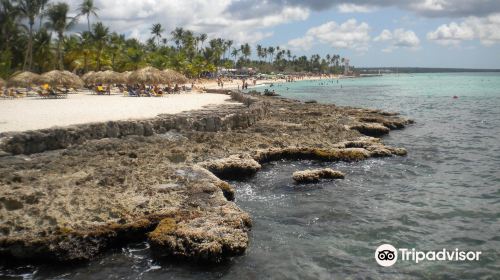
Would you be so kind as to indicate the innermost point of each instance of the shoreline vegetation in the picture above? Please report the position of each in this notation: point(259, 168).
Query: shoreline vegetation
point(38, 36)
point(162, 179)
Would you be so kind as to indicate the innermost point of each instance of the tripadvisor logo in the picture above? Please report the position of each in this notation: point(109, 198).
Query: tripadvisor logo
point(387, 255)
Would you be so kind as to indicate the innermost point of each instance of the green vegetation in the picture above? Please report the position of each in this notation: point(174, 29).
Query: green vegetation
point(51, 44)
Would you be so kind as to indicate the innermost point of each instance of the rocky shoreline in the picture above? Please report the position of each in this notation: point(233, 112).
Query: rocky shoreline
point(68, 194)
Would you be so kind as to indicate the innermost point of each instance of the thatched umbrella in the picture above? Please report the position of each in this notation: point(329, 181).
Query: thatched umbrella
point(148, 76)
point(22, 79)
point(107, 77)
point(125, 76)
point(60, 78)
point(87, 77)
point(176, 77)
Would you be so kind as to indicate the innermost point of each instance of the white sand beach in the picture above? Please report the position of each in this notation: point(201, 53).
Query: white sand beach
point(33, 113)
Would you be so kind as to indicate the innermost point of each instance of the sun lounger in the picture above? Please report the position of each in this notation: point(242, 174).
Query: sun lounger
point(133, 93)
point(100, 90)
point(62, 93)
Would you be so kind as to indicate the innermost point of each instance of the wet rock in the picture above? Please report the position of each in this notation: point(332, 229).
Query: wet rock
point(315, 175)
point(73, 204)
point(344, 154)
point(206, 236)
point(310, 101)
point(391, 123)
point(371, 129)
point(234, 166)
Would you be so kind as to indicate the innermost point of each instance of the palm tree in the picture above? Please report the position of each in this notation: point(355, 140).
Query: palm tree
point(228, 45)
point(270, 50)
point(43, 3)
point(29, 9)
point(246, 50)
point(177, 35)
point(234, 53)
point(116, 43)
point(9, 25)
point(156, 30)
point(42, 50)
point(87, 8)
point(259, 52)
point(84, 46)
point(58, 21)
point(100, 34)
point(202, 38)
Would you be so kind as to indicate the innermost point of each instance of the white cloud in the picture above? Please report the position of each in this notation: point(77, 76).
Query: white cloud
point(406, 38)
point(348, 35)
point(305, 43)
point(386, 35)
point(430, 5)
point(353, 8)
point(399, 38)
point(135, 18)
point(486, 30)
point(426, 8)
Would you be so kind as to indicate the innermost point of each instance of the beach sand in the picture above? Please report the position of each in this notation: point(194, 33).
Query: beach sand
point(237, 83)
point(35, 113)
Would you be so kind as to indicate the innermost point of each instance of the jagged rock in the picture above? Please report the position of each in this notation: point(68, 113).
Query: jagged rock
point(371, 129)
point(310, 101)
point(72, 204)
point(234, 166)
point(209, 236)
point(344, 154)
point(391, 123)
point(315, 175)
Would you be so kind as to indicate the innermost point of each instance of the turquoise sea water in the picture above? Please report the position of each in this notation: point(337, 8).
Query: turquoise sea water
point(444, 194)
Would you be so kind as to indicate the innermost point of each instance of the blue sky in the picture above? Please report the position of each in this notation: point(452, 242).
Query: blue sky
point(423, 33)
point(466, 53)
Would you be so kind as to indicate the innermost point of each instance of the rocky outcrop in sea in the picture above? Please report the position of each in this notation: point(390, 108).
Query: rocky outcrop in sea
point(68, 194)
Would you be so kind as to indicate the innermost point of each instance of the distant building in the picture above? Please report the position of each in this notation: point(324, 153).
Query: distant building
point(244, 71)
point(346, 67)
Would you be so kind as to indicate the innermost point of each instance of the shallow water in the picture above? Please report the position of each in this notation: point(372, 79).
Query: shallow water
point(444, 194)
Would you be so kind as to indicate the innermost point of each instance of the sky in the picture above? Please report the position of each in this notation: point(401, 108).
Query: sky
point(371, 33)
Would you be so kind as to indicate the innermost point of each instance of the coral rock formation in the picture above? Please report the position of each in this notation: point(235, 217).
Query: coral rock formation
point(234, 166)
point(115, 182)
point(315, 175)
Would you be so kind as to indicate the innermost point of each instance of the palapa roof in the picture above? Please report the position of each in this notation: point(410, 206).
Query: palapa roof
point(60, 78)
point(148, 75)
point(176, 77)
point(22, 79)
point(87, 76)
point(105, 77)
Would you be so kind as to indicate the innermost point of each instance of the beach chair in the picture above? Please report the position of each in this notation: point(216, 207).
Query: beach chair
point(133, 93)
point(156, 94)
point(62, 93)
point(145, 93)
point(100, 90)
point(20, 94)
point(42, 93)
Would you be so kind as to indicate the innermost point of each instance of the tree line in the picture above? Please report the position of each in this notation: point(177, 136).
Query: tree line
point(37, 36)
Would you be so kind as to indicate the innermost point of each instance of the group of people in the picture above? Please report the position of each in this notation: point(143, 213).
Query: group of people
point(11, 93)
point(152, 91)
point(220, 82)
point(44, 91)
